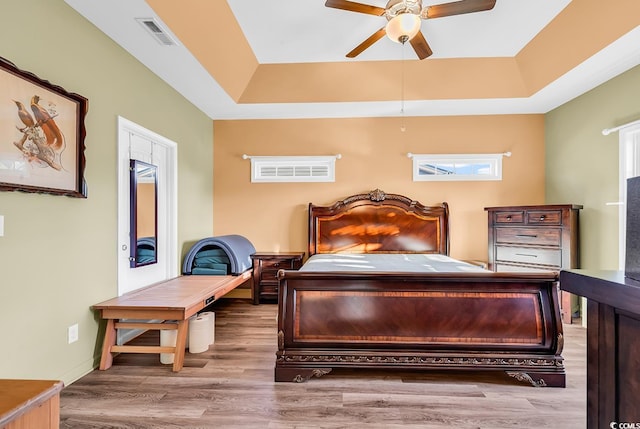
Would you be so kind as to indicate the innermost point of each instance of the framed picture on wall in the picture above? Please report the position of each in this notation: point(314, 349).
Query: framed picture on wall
point(42, 134)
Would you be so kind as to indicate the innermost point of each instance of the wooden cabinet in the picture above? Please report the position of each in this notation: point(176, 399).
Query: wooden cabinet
point(613, 345)
point(30, 404)
point(535, 238)
point(265, 268)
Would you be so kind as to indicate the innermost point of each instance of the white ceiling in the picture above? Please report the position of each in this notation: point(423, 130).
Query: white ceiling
point(302, 31)
point(315, 33)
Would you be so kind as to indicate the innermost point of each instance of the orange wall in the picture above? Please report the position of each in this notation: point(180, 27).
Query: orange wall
point(273, 216)
point(146, 210)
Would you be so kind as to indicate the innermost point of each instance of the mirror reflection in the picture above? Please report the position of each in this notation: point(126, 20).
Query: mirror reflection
point(143, 211)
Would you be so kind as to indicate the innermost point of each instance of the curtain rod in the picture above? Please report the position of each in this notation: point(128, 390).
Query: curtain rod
point(507, 154)
point(608, 131)
point(245, 156)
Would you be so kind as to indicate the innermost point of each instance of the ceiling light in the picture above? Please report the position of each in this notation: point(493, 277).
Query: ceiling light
point(403, 27)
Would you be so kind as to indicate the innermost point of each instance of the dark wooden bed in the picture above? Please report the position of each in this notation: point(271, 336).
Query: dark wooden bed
point(434, 320)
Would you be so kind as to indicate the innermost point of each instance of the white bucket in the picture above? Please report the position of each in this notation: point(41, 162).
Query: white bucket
point(212, 324)
point(167, 339)
point(199, 334)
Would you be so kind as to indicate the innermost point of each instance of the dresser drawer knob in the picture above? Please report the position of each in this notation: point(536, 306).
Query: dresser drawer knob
point(509, 217)
point(542, 217)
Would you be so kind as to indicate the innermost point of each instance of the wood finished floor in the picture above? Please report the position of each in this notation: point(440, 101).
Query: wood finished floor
point(231, 386)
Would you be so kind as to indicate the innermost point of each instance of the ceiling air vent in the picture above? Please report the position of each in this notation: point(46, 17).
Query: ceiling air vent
point(155, 29)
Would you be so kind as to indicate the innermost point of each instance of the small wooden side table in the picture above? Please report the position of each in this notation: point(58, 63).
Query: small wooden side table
point(30, 404)
point(265, 268)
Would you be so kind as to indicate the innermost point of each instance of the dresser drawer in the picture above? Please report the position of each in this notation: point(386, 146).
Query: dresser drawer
point(526, 255)
point(509, 268)
point(503, 217)
point(546, 217)
point(535, 236)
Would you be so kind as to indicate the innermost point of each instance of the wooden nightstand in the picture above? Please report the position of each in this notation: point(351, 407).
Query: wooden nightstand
point(265, 268)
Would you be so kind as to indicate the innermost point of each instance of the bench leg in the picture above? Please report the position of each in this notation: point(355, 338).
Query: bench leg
point(106, 360)
point(181, 341)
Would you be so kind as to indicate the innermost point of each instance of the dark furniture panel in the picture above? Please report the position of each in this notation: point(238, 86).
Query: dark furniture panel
point(628, 364)
point(265, 269)
point(321, 318)
point(613, 344)
point(535, 238)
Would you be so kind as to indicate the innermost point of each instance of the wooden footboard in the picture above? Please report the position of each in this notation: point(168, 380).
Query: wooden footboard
point(445, 321)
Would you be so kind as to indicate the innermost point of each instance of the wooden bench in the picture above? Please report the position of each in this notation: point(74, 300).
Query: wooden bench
point(175, 299)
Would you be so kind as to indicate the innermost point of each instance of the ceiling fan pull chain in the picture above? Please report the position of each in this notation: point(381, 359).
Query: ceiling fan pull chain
point(402, 125)
point(402, 82)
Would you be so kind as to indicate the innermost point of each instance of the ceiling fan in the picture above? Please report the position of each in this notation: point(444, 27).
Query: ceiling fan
point(404, 18)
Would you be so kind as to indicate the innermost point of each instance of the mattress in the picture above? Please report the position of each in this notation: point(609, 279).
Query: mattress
point(387, 262)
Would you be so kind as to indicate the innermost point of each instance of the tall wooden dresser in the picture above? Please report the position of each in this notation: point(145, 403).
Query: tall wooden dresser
point(533, 238)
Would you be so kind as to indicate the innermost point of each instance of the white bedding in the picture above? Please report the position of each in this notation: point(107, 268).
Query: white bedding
point(387, 262)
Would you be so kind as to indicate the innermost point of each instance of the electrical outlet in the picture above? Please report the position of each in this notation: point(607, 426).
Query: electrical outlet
point(72, 333)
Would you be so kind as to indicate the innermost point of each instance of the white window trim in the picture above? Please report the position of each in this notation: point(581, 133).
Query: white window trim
point(495, 159)
point(629, 159)
point(260, 162)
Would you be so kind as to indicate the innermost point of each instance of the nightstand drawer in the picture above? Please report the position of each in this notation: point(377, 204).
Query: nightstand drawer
point(270, 268)
point(508, 217)
point(527, 255)
point(269, 275)
point(269, 290)
point(537, 236)
point(546, 217)
point(276, 264)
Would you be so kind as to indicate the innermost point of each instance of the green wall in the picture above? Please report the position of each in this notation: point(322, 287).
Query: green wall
point(582, 164)
point(58, 254)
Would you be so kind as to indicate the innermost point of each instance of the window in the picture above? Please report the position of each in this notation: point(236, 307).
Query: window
point(457, 167)
point(293, 168)
point(629, 153)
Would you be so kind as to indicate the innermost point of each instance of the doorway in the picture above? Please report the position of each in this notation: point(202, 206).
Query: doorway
point(137, 142)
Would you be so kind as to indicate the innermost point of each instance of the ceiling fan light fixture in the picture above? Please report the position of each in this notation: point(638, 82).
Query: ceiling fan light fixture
point(403, 27)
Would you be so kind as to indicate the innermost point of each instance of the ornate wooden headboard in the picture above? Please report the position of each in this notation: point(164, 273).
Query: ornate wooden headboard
point(378, 223)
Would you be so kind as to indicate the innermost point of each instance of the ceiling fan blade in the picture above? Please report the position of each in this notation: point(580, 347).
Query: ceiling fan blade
point(420, 45)
point(364, 45)
point(458, 8)
point(355, 7)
